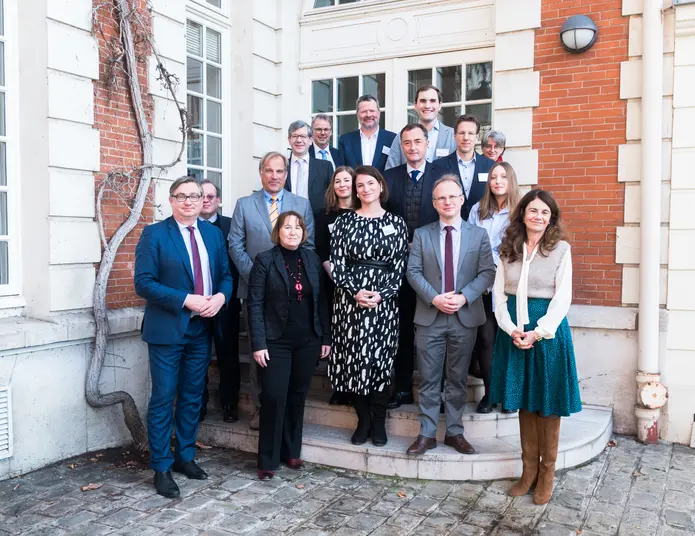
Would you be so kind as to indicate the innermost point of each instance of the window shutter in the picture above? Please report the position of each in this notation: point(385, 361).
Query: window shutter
point(194, 38)
point(213, 44)
point(5, 423)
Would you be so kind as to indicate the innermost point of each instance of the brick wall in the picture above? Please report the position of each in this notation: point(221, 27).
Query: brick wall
point(120, 149)
point(577, 129)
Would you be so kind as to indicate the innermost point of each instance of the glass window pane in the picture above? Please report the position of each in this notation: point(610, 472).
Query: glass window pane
point(216, 178)
point(195, 111)
point(194, 38)
point(195, 149)
point(3, 213)
point(346, 123)
point(375, 84)
point(197, 173)
point(214, 151)
point(214, 117)
point(347, 1)
point(214, 81)
point(194, 75)
point(449, 114)
point(4, 264)
point(2, 115)
point(417, 79)
point(412, 117)
point(216, 3)
point(348, 91)
point(3, 164)
point(479, 81)
point(449, 82)
point(323, 3)
point(484, 114)
point(382, 120)
point(2, 17)
point(322, 96)
point(2, 63)
point(213, 45)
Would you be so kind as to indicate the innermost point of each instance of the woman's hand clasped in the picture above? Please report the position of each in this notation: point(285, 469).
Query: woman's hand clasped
point(261, 358)
point(325, 351)
point(524, 339)
point(368, 299)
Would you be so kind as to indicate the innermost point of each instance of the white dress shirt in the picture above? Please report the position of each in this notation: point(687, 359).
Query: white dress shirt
point(421, 169)
point(300, 175)
point(456, 248)
point(202, 251)
point(495, 226)
point(368, 147)
point(211, 219)
point(329, 156)
point(432, 137)
point(467, 171)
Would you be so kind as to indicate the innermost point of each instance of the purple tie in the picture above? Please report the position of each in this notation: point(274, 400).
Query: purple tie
point(197, 266)
point(448, 260)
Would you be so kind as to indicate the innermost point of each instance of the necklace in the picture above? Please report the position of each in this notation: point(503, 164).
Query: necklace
point(297, 278)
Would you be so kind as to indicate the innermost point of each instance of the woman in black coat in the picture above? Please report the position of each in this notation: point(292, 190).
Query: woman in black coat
point(288, 321)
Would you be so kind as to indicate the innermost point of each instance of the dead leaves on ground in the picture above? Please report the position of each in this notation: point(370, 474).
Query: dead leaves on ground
point(90, 487)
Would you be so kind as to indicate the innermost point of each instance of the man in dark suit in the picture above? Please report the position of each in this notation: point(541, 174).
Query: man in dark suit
point(182, 272)
point(306, 177)
point(410, 197)
point(370, 145)
point(225, 332)
point(322, 148)
point(470, 167)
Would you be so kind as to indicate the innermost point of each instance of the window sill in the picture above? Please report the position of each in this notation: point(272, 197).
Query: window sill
point(20, 332)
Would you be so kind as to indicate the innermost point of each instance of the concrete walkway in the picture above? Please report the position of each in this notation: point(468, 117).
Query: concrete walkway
point(629, 490)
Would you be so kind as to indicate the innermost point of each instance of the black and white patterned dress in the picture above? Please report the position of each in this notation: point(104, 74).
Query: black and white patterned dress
point(365, 340)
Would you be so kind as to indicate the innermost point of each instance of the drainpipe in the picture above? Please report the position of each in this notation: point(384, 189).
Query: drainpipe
point(651, 394)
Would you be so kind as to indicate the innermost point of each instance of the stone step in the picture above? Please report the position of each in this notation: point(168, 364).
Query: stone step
point(582, 437)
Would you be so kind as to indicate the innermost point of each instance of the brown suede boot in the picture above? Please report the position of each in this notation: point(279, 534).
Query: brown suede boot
point(548, 438)
point(528, 430)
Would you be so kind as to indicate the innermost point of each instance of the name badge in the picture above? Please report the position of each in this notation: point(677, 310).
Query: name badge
point(482, 177)
point(330, 227)
point(386, 150)
point(441, 152)
point(388, 229)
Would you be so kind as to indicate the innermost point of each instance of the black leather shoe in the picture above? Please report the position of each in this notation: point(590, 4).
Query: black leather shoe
point(165, 485)
point(484, 405)
point(230, 413)
point(508, 411)
point(399, 398)
point(191, 470)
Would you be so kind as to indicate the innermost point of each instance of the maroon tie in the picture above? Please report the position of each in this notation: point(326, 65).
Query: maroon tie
point(448, 260)
point(197, 266)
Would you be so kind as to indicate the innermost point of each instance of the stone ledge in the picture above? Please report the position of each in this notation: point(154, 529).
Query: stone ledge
point(601, 317)
point(23, 332)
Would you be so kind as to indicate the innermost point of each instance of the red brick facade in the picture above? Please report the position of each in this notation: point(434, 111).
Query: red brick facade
point(120, 149)
point(577, 129)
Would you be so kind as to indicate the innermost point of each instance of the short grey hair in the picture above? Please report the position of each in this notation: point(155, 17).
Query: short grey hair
point(496, 136)
point(269, 156)
point(366, 98)
point(296, 125)
point(322, 117)
point(184, 180)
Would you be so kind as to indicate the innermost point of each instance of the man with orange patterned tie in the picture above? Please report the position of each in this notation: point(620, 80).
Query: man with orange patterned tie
point(252, 222)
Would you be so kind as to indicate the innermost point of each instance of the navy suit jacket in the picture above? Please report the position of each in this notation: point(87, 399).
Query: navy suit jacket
point(320, 175)
point(449, 164)
point(350, 146)
point(396, 179)
point(163, 277)
point(335, 154)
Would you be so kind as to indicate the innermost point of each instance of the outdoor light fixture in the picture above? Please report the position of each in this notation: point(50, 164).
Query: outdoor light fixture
point(578, 33)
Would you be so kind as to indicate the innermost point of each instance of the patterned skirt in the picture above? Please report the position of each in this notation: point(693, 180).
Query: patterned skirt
point(542, 379)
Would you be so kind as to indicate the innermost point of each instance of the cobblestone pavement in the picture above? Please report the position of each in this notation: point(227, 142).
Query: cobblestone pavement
point(629, 489)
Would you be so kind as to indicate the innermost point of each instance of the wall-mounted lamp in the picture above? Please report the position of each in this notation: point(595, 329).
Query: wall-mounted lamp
point(578, 33)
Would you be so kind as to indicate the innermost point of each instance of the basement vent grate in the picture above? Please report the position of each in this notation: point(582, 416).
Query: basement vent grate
point(5, 422)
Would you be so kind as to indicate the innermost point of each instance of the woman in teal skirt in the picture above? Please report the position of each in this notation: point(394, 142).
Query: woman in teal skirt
point(533, 367)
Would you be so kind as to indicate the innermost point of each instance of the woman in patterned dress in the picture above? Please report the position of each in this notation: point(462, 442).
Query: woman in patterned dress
point(368, 256)
point(533, 367)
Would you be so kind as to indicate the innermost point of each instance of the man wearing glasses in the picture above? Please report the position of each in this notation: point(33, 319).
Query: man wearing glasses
point(321, 148)
point(306, 177)
point(182, 272)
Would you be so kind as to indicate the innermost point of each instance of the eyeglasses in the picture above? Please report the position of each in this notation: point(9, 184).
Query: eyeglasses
point(209, 197)
point(447, 199)
point(298, 137)
point(181, 198)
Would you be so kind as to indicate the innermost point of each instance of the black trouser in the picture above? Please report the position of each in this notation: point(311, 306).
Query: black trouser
point(285, 384)
point(226, 339)
point(405, 357)
point(485, 342)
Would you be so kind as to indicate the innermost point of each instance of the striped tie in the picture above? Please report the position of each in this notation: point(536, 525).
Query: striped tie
point(274, 213)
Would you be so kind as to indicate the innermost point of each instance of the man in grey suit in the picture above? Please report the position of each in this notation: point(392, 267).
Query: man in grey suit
point(440, 138)
point(450, 267)
point(249, 234)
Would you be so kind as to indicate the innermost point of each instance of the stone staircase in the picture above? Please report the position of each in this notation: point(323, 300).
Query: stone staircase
point(327, 431)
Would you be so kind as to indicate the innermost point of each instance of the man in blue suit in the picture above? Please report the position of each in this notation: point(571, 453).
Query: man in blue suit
point(470, 167)
point(370, 145)
point(182, 272)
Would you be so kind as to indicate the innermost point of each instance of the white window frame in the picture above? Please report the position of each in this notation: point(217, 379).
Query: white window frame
point(10, 293)
point(200, 12)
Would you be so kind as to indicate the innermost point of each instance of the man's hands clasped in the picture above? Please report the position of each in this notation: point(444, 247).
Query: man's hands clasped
point(449, 302)
point(206, 306)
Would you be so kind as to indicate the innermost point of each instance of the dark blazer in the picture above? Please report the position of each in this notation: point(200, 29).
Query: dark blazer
point(163, 277)
point(224, 223)
point(335, 154)
point(350, 146)
point(450, 164)
point(269, 297)
point(396, 179)
point(320, 175)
